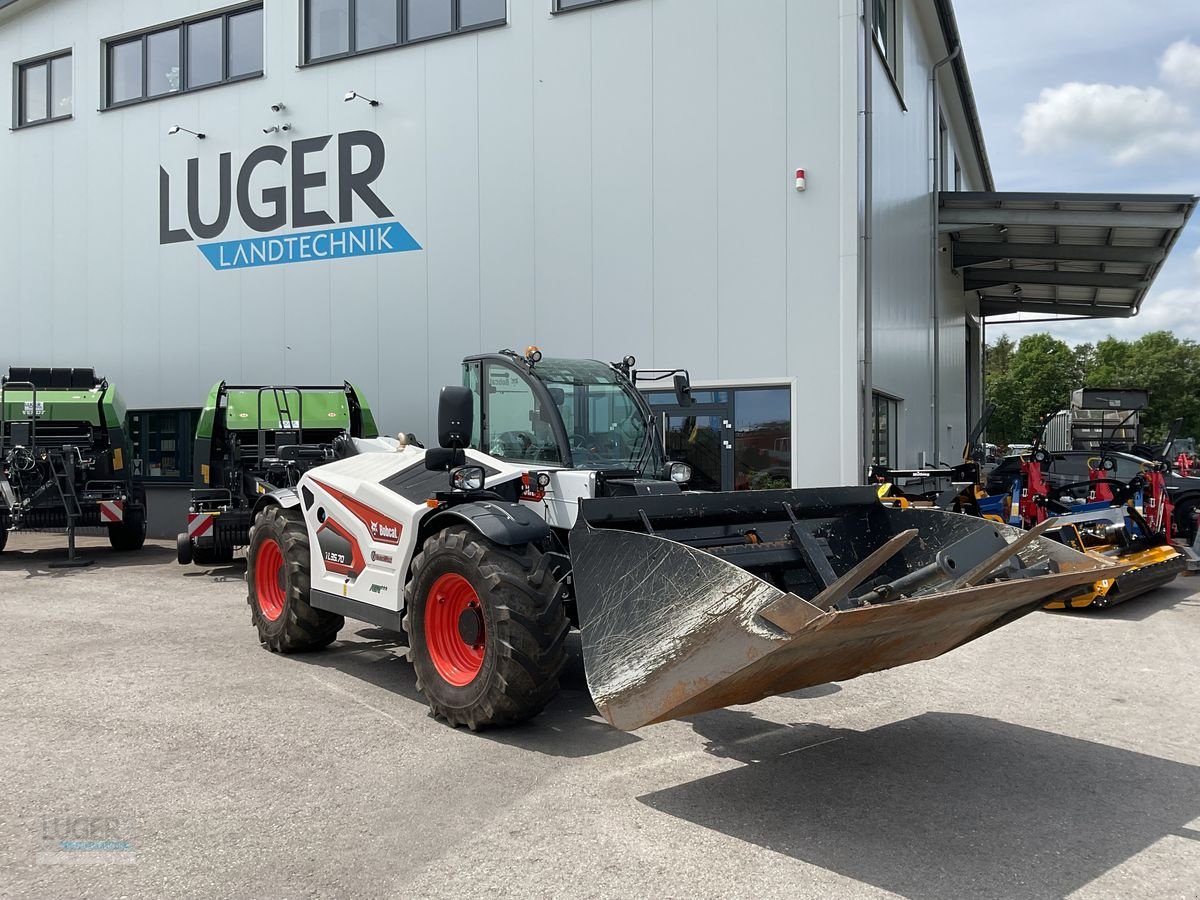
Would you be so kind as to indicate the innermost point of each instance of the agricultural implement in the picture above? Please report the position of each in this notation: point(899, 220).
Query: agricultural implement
point(253, 439)
point(549, 503)
point(64, 458)
point(1124, 521)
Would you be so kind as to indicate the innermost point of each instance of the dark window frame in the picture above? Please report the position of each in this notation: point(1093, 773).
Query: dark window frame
point(401, 29)
point(888, 40)
point(20, 68)
point(180, 25)
point(557, 8)
point(889, 440)
point(183, 451)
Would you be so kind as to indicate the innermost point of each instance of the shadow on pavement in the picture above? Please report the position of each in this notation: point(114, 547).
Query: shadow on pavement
point(568, 727)
point(234, 571)
point(940, 805)
point(36, 562)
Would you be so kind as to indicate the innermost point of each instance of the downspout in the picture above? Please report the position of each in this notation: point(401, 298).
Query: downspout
point(936, 156)
point(866, 155)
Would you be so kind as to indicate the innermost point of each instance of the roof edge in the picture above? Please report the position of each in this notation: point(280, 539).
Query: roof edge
point(949, 24)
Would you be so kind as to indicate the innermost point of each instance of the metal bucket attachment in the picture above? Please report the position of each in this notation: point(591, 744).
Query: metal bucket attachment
point(691, 602)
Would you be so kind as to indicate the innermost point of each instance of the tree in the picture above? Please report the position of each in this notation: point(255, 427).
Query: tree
point(997, 357)
point(1162, 364)
point(1036, 377)
point(1044, 371)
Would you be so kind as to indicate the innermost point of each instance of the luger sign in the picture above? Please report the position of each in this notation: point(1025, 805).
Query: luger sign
point(269, 212)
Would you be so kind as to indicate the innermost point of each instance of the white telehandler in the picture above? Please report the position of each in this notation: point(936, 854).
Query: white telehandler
point(550, 504)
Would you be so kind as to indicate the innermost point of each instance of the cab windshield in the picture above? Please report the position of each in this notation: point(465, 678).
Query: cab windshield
point(606, 423)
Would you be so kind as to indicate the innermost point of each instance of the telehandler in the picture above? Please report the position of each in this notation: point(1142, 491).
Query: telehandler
point(549, 503)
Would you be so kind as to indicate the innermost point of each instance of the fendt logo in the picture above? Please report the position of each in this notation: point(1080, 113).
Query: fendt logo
point(268, 211)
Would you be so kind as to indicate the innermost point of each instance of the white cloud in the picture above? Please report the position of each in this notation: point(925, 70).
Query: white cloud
point(1180, 65)
point(1125, 122)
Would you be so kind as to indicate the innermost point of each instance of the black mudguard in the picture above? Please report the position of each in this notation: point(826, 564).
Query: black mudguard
point(506, 524)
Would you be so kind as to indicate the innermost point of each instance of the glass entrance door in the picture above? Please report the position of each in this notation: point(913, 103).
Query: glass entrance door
point(700, 437)
point(735, 439)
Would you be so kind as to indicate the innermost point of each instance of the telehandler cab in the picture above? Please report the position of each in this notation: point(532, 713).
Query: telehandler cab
point(550, 503)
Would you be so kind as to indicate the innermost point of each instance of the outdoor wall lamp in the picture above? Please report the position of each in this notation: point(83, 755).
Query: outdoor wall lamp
point(355, 95)
point(175, 129)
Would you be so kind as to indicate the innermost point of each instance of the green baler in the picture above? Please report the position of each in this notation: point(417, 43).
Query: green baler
point(253, 439)
point(65, 456)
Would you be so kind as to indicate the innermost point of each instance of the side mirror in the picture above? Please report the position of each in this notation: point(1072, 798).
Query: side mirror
point(456, 414)
point(683, 389)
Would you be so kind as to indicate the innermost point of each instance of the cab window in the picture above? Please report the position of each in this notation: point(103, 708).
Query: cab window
point(516, 426)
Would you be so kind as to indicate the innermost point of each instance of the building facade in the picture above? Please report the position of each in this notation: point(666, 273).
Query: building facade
point(383, 187)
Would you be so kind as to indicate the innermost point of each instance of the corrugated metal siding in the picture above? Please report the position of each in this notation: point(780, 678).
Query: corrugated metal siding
point(604, 182)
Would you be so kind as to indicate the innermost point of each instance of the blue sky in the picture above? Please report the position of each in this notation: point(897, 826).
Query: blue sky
point(1095, 95)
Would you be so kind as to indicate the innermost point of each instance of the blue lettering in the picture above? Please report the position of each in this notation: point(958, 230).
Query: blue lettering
point(332, 243)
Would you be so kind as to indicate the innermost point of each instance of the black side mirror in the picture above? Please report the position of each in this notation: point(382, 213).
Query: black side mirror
point(683, 388)
point(456, 414)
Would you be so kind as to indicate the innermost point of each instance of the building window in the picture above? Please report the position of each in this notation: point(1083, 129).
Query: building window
point(337, 28)
point(184, 56)
point(884, 430)
point(162, 444)
point(44, 90)
point(733, 437)
point(885, 28)
point(568, 5)
point(762, 443)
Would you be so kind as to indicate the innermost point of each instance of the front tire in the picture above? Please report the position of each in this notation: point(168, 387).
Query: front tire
point(486, 629)
point(277, 581)
point(3, 537)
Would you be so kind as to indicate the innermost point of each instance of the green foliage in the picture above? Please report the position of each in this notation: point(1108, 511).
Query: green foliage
point(1035, 378)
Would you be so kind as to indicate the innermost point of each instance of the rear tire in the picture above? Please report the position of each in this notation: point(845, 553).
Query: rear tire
point(183, 548)
point(129, 535)
point(1185, 519)
point(491, 650)
point(3, 537)
point(277, 580)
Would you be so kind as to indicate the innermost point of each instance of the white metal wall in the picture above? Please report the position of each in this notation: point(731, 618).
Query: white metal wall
point(904, 231)
point(610, 181)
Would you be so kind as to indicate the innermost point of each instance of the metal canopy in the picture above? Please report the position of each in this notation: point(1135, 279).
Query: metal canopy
point(1085, 255)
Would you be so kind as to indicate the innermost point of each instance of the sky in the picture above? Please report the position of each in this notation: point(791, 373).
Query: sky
point(1096, 96)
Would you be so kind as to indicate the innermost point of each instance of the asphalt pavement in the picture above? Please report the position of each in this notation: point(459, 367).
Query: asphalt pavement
point(150, 748)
